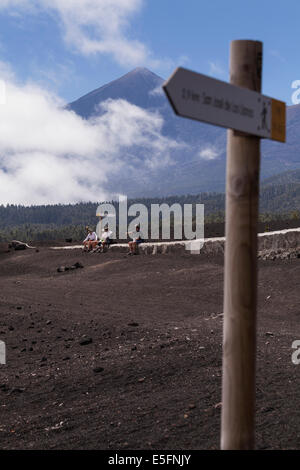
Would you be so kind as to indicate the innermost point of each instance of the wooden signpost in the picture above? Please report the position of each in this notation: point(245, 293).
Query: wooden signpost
point(250, 116)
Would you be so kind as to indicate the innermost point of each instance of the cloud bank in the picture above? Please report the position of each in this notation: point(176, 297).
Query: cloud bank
point(94, 26)
point(50, 155)
point(209, 153)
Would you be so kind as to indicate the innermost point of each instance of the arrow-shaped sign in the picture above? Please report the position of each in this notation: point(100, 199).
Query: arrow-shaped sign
point(196, 96)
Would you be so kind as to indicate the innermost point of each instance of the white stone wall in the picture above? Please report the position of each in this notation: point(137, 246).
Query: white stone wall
point(281, 243)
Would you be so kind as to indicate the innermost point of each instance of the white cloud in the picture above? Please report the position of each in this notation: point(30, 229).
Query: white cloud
point(101, 26)
point(158, 91)
point(50, 155)
point(209, 153)
point(94, 26)
point(216, 69)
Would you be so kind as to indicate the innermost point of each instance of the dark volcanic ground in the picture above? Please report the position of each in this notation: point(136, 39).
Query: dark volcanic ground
point(126, 353)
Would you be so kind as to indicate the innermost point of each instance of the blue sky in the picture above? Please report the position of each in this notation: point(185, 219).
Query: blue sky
point(193, 33)
point(54, 51)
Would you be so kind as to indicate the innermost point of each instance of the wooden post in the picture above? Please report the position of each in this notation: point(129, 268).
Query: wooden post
point(240, 284)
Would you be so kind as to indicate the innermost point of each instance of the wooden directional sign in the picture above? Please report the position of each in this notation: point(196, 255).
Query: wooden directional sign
point(203, 98)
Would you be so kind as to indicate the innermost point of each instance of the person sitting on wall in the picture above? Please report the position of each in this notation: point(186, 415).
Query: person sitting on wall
point(90, 241)
point(137, 238)
point(105, 239)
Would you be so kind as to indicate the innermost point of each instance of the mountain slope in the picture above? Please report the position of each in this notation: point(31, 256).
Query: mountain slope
point(135, 87)
point(287, 177)
point(200, 165)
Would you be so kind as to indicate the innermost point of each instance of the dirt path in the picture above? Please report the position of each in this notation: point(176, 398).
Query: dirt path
point(126, 353)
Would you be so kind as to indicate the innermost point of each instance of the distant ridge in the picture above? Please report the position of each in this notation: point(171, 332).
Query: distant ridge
point(287, 177)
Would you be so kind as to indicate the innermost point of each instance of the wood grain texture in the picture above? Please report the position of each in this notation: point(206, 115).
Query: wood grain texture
point(240, 284)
